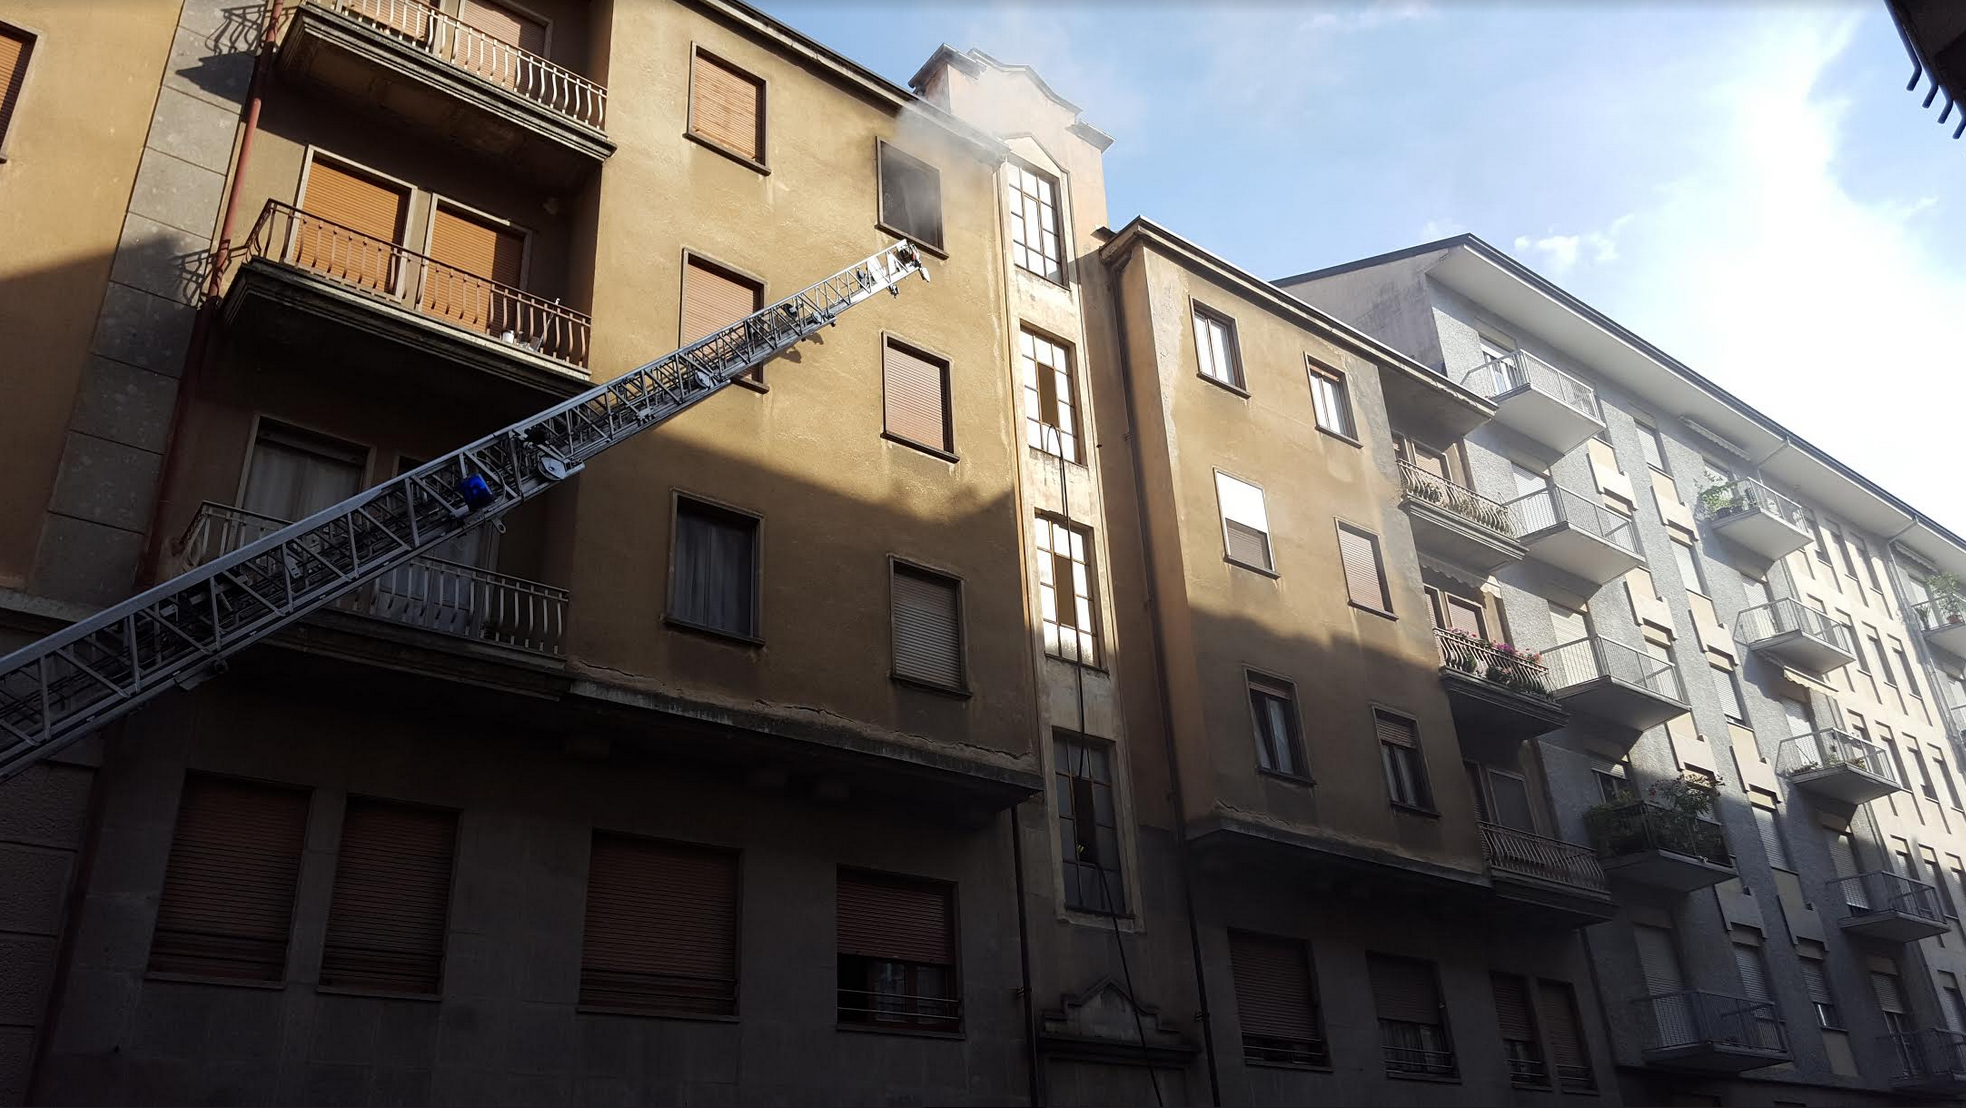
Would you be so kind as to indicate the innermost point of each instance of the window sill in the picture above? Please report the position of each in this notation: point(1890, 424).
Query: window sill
point(1270, 573)
point(1286, 778)
point(745, 160)
point(953, 691)
point(1430, 1078)
point(200, 979)
point(1340, 436)
point(1092, 667)
point(1052, 457)
point(1054, 282)
point(752, 383)
point(653, 1014)
point(1382, 613)
point(933, 452)
point(677, 623)
point(911, 1032)
point(1293, 1067)
point(1413, 810)
point(1237, 389)
point(932, 248)
point(378, 994)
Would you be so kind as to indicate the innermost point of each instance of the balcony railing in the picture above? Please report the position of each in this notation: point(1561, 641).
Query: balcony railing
point(1635, 827)
point(1694, 1017)
point(521, 72)
point(1955, 717)
point(1882, 891)
point(1745, 494)
point(1463, 653)
point(1789, 614)
point(426, 593)
point(1548, 507)
point(1503, 375)
point(385, 269)
point(1940, 611)
point(1931, 1054)
point(1530, 855)
point(1417, 484)
point(1591, 657)
point(1829, 749)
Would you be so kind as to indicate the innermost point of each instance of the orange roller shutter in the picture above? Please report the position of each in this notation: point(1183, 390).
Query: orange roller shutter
point(916, 396)
point(1360, 555)
point(14, 51)
point(369, 215)
point(713, 299)
point(476, 257)
point(724, 107)
point(409, 18)
point(515, 35)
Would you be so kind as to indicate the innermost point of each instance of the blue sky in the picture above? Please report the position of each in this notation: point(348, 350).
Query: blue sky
point(1748, 185)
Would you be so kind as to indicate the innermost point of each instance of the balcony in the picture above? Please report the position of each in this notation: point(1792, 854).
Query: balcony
point(1756, 517)
point(1460, 524)
point(1546, 880)
point(1795, 634)
point(1943, 619)
point(426, 594)
point(1930, 1061)
point(1838, 765)
point(1886, 906)
point(1692, 1029)
point(1615, 683)
point(1659, 848)
point(1499, 698)
point(1575, 534)
point(412, 64)
point(313, 284)
point(1538, 400)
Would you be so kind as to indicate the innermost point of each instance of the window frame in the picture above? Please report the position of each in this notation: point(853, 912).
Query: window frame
point(882, 149)
point(1649, 431)
point(1222, 512)
point(1231, 343)
point(1095, 630)
point(262, 420)
point(1341, 386)
point(1256, 681)
point(30, 41)
point(896, 564)
point(1378, 562)
point(761, 163)
point(736, 857)
point(1058, 221)
point(1077, 454)
point(755, 378)
point(1733, 703)
point(1452, 1071)
point(1060, 737)
point(947, 451)
point(754, 637)
point(1425, 803)
point(1319, 1047)
point(956, 1028)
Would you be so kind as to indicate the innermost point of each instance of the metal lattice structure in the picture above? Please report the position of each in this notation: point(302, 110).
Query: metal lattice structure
point(181, 632)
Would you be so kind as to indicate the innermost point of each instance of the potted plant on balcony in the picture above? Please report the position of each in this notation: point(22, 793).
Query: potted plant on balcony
point(1721, 498)
point(1948, 597)
point(1462, 655)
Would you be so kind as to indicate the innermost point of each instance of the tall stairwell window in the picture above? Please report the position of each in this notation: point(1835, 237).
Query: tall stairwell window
point(1034, 234)
point(1088, 825)
point(1050, 396)
point(1066, 602)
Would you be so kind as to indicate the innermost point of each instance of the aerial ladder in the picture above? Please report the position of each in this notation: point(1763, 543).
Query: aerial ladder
point(181, 632)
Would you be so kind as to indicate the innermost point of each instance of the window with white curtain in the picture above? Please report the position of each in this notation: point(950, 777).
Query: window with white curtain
point(714, 569)
point(295, 473)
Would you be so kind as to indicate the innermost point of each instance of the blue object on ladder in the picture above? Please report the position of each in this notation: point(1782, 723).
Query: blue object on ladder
point(476, 491)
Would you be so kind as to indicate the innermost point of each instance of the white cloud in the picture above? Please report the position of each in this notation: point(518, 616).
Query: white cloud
point(1564, 251)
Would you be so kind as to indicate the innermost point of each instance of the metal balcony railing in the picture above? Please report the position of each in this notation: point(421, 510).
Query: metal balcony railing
point(1830, 748)
point(1695, 1017)
point(1548, 507)
point(1789, 614)
point(1940, 611)
point(1490, 515)
point(1932, 1052)
point(1724, 501)
point(378, 267)
point(1591, 657)
point(521, 72)
point(426, 593)
point(1883, 891)
point(1526, 854)
point(1955, 717)
point(1514, 670)
point(1635, 826)
point(1514, 370)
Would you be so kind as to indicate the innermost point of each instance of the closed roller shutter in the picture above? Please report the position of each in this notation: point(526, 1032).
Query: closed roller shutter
point(1657, 959)
point(1754, 976)
point(481, 266)
point(1248, 545)
point(1274, 995)
point(661, 927)
point(894, 919)
point(1360, 555)
point(1513, 1015)
point(1890, 997)
point(724, 107)
point(1404, 990)
point(1559, 1007)
point(409, 19)
point(369, 213)
point(1843, 860)
point(499, 52)
point(392, 890)
point(927, 627)
point(915, 390)
point(228, 896)
point(14, 51)
point(713, 299)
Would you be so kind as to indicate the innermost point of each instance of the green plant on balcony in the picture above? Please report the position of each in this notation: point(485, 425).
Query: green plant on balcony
point(1672, 816)
point(1948, 597)
point(1722, 498)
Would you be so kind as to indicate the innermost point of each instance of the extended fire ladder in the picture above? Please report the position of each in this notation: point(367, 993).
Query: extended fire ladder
point(180, 633)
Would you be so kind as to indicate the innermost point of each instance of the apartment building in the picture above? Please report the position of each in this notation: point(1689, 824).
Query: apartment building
point(1741, 631)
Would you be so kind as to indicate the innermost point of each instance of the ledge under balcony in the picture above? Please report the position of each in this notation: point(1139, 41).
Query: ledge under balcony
point(1546, 881)
point(1615, 683)
point(1576, 534)
point(1457, 523)
point(1538, 400)
point(439, 76)
point(310, 284)
point(1658, 848)
point(1931, 1060)
point(1838, 765)
point(1755, 517)
point(1692, 1029)
point(1795, 634)
point(1943, 619)
point(1889, 907)
point(1498, 698)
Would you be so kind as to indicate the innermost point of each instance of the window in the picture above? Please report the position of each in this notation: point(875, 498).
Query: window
point(374, 209)
point(295, 473)
point(1689, 567)
point(392, 893)
point(727, 108)
point(1931, 859)
point(1877, 651)
point(1365, 575)
point(713, 582)
point(1756, 591)
point(1050, 396)
point(1729, 693)
point(1904, 667)
point(228, 897)
point(915, 396)
point(1215, 346)
point(1816, 982)
point(911, 196)
point(1088, 825)
point(1332, 401)
point(1925, 785)
point(1273, 704)
point(1870, 566)
point(16, 47)
point(1952, 787)
point(1613, 788)
point(1856, 647)
point(928, 636)
point(1412, 1026)
point(1276, 1001)
point(1558, 1002)
point(1034, 233)
point(497, 24)
point(1399, 756)
point(481, 261)
point(1822, 548)
point(714, 298)
point(1245, 523)
point(1770, 830)
point(661, 932)
point(1955, 1003)
point(897, 953)
point(1065, 603)
point(1753, 969)
point(1515, 1017)
point(1843, 551)
point(1891, 999)
point(1653, 448)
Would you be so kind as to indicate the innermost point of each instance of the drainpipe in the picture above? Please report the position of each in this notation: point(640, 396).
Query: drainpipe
point(1166, 706)
point(1031, 1060)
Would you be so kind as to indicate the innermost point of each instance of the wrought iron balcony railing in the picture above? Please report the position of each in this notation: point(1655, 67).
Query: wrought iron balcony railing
point(1548, 507)
point(1464, 653)
point(1591, 657)
point(1789, 614)
point(1724, 501)
point(1514, 370)
point(385, 269)
point(426, 593)
point(1695, 1017)
point(1829, 749)
point(1526, 854)
point(521, 72)
point(1417, 484)
point(1883, 891)
point(1932, 1053)
point(1635, 826)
